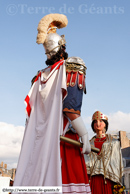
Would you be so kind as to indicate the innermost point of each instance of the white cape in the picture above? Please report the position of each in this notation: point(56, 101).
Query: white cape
point(39, 162)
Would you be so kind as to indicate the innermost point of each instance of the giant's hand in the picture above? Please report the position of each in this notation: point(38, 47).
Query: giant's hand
point(86, 144)
point(80, 128)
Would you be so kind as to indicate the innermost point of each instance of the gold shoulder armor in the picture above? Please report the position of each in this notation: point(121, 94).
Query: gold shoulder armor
point(75, 64)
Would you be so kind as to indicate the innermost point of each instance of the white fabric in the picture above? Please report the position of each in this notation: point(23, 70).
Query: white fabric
point(76, 188)
point(80, 128)
point(39, 161)
point(108, 162)
point(4, 183)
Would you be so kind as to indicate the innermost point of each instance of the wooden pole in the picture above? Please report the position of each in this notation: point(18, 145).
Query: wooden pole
point(77, 143)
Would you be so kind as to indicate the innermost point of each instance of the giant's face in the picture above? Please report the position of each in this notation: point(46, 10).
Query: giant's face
point(99, 125)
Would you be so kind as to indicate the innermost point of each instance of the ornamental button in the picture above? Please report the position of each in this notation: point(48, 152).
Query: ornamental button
point(80, 85)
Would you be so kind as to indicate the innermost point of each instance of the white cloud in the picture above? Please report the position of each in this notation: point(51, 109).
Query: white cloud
point(119, 121)
point(11, 136)
point(10, 143)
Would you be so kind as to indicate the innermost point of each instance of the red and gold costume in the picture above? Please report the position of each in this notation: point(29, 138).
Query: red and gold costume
point(43, 160)
point(74, 174)
point(105, 168)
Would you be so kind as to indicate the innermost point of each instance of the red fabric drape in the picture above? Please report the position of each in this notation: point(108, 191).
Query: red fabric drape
point(73, 164)
point(98, 185)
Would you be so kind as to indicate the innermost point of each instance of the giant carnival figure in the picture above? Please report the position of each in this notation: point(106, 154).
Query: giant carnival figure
point(105, 168)
point(53, 108)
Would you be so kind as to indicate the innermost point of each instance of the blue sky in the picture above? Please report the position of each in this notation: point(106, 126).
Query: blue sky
point(98, 31)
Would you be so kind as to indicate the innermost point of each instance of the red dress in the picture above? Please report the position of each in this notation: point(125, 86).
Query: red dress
point(74, 173)
point(97, 182)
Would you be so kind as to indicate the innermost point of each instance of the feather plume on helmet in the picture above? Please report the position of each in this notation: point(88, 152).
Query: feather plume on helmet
point(50, 21)
point(47, 33)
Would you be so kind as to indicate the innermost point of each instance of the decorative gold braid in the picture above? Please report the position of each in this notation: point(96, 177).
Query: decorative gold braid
point(76, 67)
point(100, 140)
point(103, 161)
point(95, 161)
point(101, 156)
